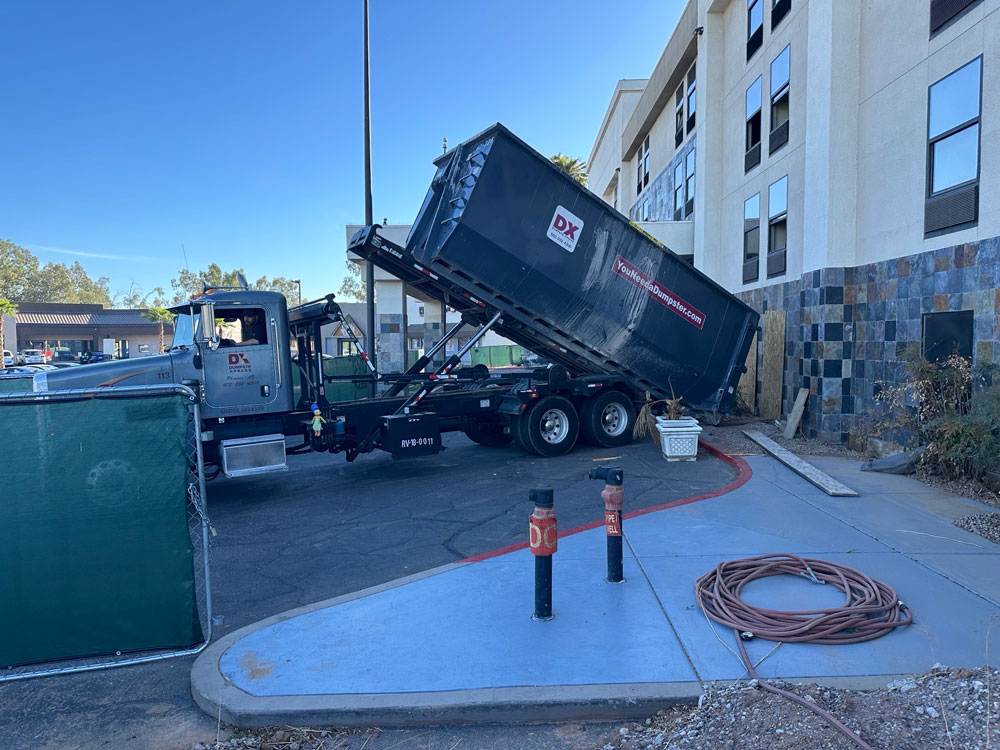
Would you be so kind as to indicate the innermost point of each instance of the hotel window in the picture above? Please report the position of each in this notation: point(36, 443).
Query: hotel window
point(679, 116)
point(752, 157)
point(777, 226)
point(689, 183)
point(779, 102)
point(644, 211)
point(755, 26)
point(645, 162)
point(679, 190)
point(953, 117)
point(944, 11)
point(691, 100)
point(779, 9)
point(751, 239)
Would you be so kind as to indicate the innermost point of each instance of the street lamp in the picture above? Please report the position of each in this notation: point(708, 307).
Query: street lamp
point(299, 282)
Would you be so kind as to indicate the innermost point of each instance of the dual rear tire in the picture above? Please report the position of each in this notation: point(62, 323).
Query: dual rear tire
point(551, 426)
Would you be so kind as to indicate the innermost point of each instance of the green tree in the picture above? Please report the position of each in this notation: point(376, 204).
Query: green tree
point(158, 315)
point(6, 308)
point(18, 270)
point(353, 286)
point(22, 279)
point(575, 168)
point(134, 299)
point(189, 283)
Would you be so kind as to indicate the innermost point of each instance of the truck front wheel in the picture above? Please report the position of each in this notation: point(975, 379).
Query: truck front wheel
point(548, 428)
point(607, 419)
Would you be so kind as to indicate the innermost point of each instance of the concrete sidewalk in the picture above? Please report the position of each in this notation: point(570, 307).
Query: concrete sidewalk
point(457, 643)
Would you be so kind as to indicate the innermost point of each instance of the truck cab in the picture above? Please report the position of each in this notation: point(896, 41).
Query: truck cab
point(235, 343)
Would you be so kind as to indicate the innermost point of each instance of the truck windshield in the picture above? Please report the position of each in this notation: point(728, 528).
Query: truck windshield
point(184, 327)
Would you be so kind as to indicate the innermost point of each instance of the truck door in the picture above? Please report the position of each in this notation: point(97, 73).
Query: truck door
point(240, 375)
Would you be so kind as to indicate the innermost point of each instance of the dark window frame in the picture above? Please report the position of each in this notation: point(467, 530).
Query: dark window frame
point(679, 116)
point(751, 154)
point(778, 136)
point(751, 238)
point(691, 98)
point(645, 162)
point(678, 192)
point(689, 177)
point(777, 257)
point(755, 36)
point(779, 9)
point(965, 193)
point(948, 12)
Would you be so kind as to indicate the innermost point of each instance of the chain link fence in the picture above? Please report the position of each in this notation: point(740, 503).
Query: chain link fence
point(104, 543)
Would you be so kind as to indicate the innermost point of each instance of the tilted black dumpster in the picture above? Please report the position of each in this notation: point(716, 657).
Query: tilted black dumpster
point(577, 283)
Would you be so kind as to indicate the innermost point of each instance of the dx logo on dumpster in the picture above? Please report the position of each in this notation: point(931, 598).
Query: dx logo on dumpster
point(564, 229)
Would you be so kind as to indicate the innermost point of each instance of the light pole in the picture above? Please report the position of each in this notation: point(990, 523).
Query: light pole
point(299, 282)
point(369, 266)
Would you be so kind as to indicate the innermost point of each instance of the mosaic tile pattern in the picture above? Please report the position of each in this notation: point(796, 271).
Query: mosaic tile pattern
point(660, 191)
point(848, 328)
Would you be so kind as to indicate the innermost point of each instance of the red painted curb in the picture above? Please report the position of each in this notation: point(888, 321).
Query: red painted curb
point(743, 474)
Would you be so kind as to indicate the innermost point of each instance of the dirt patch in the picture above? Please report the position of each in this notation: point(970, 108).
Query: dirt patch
point(728, 436)
point(942, 709)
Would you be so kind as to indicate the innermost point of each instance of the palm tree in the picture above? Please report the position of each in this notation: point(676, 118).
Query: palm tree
point(575, 168)
point(6, 308)
point(158, 315)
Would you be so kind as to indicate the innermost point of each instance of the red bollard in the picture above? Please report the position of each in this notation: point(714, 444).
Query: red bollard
point(543, 538)
point(614, 502)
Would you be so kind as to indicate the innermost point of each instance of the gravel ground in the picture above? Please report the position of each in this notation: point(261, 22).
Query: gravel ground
point(939, 709)
point(942, 708)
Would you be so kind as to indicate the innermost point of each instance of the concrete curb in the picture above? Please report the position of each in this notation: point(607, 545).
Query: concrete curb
point(219, 698)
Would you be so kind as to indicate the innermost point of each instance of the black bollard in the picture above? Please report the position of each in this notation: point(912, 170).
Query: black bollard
point(614, 502)
point(543, 539)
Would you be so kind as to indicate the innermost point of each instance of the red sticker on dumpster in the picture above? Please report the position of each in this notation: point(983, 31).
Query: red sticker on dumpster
point(660, 293)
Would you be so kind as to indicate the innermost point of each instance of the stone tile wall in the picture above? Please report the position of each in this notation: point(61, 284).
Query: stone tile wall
point(389, 342)
point(848, 328)
point(660, 191)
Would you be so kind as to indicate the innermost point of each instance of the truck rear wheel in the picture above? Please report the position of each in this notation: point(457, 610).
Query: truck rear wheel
point(485, 432)
point(607, 419)
point(548, 428)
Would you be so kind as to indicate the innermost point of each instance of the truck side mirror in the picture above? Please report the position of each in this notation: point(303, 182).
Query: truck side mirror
point(206, 327)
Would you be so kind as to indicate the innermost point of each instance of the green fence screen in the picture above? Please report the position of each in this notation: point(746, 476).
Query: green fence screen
point(353, 364)
point(95, 553)
point(497, 356)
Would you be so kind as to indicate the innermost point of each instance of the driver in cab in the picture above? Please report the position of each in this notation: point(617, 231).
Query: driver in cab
point(252, 328)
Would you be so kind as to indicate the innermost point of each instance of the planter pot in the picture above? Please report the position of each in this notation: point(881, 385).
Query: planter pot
point(679, 438)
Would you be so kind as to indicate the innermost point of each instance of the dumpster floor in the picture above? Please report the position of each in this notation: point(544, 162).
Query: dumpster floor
point(458, 644)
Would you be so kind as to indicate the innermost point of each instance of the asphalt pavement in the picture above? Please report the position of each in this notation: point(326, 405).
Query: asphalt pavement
point(328, 528)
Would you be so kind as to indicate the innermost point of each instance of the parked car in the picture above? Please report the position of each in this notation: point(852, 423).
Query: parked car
point(60, 365)
point(8, 358)
point(32, 357)
point(88, 357)
point(18, 371)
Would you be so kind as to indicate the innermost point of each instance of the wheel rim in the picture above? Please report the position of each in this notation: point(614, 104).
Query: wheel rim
point(554, 426)
point(614, 419)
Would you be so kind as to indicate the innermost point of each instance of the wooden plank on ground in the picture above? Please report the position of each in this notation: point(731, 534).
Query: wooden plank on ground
point(772, 366)
point(796, 416)
point(748, 382)
point(824, 481)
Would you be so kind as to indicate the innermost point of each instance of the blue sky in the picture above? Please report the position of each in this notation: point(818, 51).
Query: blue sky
point(234, 129)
